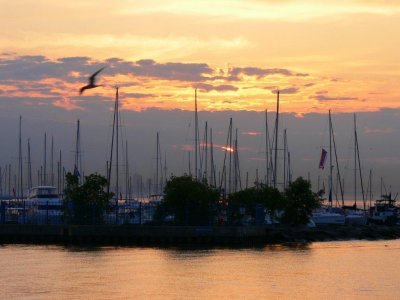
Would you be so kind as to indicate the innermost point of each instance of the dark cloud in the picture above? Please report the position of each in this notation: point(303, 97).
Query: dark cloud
point(39, 67)
point(72, 69)
point(289, 90)
point(137, 95)
point(204, 87)
point(35, 88)
point(309, 84)
point(234, 73)
point(146, 62)
point(194, 72)
point(323, 92)
point(76, 61)
point(327, 98)
point(30, 68)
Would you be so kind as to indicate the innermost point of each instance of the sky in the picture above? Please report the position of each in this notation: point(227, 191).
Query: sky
point(332, 55)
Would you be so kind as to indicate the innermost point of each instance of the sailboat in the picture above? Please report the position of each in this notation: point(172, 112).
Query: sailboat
point(355, 216)
point(328, 215)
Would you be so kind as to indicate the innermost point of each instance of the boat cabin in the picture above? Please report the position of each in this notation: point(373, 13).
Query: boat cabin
point(43, 192)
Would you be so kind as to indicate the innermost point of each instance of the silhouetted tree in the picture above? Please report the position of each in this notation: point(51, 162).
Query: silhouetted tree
point(248, 199)
point(300, 202)
point(189, 201)
point(89, 200)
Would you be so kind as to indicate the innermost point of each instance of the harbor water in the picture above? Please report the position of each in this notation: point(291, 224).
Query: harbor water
point(325, 270)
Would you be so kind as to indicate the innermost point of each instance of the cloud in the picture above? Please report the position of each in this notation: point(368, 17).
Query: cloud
point(136, 95)
point(170, 71)
point(327, 98)
point(289, 90)
point(205, 87)
point(253, 133)
point(67, 104)
point(39, 67)
point(77, 69)
point(235, 72)
point(388, 130)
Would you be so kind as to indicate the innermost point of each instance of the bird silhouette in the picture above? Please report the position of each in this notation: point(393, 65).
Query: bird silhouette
point(91, 84)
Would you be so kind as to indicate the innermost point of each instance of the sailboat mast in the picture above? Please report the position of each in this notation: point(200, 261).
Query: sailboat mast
point(61, 185)
point(336, 159)
point(20, 159)
point(230, 157)
point(127, 187)
point(52, 161)
point(29, 165)
point(289, 169)
point(235, 166)
point(45, 159)
point(212, 169)
point(355, 162)
point(284, 158)
point(157, 163)
point(165, 168)
point(117, 152)
point(330, 160)
point(112, 147)
point(370, 188)
point(195, 134)
point(1, 182)
point(360, 170)
point(276, 139)
point(77, 167)
point(266, 146)
point(190, 168)
point(205, 151)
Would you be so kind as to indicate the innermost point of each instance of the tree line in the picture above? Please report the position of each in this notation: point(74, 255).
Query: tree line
point(188, 201)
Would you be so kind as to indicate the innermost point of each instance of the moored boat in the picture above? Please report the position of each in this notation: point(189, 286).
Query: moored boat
point(46, 203)
point(384, 211)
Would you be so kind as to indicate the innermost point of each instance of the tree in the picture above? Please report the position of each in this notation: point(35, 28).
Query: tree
point(268, 197)
point(89, 200)
point(300, 202)
point(189, 201)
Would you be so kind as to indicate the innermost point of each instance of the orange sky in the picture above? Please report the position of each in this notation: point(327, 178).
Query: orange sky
point(346, 52)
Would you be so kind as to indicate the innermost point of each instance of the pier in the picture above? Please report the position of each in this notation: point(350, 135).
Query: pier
point(188, 235)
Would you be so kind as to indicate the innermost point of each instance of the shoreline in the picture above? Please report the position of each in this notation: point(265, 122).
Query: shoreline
point(146, 235)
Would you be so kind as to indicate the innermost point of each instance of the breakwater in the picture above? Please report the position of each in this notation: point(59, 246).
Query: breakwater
point(196, 235)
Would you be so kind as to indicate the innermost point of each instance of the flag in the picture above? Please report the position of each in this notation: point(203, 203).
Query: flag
point(323, 159)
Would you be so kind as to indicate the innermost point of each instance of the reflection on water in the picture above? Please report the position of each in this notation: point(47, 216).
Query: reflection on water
point(355, 269)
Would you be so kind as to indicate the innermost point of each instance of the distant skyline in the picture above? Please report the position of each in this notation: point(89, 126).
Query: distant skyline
point(338, 55)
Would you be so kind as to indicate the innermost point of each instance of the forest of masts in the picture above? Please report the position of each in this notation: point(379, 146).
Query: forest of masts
point(16, 181)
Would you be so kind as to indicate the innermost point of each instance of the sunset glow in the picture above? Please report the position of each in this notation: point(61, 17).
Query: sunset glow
point(340, 54)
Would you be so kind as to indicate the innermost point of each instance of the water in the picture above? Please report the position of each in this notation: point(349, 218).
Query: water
point(328, 270)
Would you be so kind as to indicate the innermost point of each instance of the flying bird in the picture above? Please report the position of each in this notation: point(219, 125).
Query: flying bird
point(91, 84)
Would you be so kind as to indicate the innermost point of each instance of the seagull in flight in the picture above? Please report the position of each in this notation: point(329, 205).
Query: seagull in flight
point(91, 84)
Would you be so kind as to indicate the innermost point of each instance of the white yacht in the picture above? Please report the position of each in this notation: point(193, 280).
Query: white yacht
point(46, 203)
